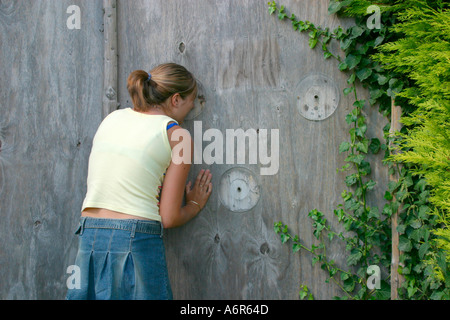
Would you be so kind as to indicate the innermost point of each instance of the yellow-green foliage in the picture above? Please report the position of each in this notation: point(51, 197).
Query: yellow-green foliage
point(423, 55)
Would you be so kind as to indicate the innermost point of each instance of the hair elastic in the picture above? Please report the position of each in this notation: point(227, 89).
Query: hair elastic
point(149, 77)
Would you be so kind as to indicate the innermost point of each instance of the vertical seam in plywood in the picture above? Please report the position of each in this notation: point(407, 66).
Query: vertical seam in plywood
point(110, 57)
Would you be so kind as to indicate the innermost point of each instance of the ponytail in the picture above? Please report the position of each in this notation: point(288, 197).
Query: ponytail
point(151, 89)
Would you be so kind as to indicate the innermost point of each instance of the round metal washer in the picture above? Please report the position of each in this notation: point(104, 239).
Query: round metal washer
point(317, 97)
point(239, 191)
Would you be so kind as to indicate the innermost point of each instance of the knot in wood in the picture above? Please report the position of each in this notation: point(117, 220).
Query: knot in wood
point(110, 93)
point(264, 249)
point(182, 47)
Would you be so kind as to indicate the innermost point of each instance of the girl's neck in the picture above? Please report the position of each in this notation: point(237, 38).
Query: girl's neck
point(157, 111)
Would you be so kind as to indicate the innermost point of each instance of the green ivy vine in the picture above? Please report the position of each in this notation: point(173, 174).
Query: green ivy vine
point(368, 228)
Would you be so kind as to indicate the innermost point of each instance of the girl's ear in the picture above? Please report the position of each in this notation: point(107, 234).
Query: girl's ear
point(175, 99)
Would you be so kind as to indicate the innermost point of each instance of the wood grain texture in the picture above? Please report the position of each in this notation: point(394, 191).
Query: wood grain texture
point(50, 89)
point(250, 65)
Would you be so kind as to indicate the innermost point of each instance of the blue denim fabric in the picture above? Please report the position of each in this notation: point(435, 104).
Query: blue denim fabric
point(121, 260)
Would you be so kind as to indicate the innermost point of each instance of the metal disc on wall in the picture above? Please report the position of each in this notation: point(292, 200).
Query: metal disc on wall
point(317, 97)
point(239, 190)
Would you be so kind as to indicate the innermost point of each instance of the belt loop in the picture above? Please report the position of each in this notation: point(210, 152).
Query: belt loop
point(133, 228)
point(82, 222)
point(162, 230)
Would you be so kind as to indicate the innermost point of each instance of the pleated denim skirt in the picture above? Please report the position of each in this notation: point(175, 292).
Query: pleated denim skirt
point(121, 260)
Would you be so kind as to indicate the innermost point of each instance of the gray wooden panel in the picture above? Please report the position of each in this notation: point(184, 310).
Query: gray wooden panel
point(251, 66)
point(50, 107)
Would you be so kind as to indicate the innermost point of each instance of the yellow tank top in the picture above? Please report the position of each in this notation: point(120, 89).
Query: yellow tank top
point(130, 155)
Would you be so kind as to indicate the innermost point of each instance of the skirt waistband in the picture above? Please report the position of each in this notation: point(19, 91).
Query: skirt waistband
point(133, 225)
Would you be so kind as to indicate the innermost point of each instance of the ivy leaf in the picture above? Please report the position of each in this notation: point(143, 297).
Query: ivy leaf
point(401, 194)
point(388, 196)
point(363, 146)
point(375, 94)
point(331, 235)
point(415, 223)
point(277, 227)
point(327, 54)
point(417, 234)
point(303, 293)
point(423, 211)
point(334, 7)
point(348, 90)
point(352, 61)
point(272, 7)
point(421, 185)
point(345, 43)
point(393, 185)
point(344, 146)
point(351, 179)
point(364, 168)
point(370, 185)
point(355, 158)
point(395, 87)
point(360, 104)
point(423, 249)
point(360, 131)
point(387, 209)
point(404, 244)
point(374, 213)
point(351, 79)
point(411, 291)
point(344, 275)
point(356, 32)
point(313, 42)
point(382, 79)
point(354, 257)
point(342, 66)
point(401, 228)
point(379, 40)
point(349, 286)
point(374, 145)
point(284, 238)
point(363, 74)
point(281, 14)
point(384, 293)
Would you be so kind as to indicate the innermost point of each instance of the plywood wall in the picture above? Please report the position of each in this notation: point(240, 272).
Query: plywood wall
point(256, 74)
point(50, 107)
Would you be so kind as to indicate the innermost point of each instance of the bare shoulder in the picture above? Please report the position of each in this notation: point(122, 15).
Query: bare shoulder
point(178, 135)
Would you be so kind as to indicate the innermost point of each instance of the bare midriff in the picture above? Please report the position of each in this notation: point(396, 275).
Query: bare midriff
point(108, 214)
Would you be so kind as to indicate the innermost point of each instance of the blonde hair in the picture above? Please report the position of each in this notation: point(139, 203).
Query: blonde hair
point(154, 88)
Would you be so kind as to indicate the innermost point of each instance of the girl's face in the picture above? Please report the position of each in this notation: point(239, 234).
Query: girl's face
point(181, 107)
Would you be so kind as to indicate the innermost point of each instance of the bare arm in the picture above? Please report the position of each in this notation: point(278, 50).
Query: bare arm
point(171, 211)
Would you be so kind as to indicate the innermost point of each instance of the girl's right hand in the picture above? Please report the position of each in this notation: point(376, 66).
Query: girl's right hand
point(201, 190)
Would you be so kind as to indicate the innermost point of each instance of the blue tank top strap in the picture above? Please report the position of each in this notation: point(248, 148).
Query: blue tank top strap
point(171, 125)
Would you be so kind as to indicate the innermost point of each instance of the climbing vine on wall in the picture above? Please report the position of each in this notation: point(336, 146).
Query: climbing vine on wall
point(368, 229)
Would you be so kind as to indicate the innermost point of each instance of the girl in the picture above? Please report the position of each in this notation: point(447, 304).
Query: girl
point(121, 252)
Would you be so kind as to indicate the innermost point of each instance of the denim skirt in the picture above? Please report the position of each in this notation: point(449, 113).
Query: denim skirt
point(121, 260)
